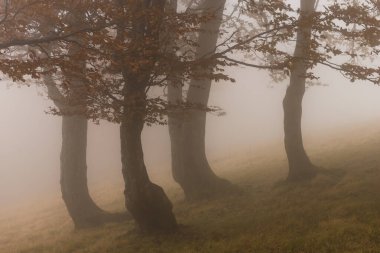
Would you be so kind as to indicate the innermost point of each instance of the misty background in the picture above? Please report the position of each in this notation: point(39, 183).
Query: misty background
point(30, 139)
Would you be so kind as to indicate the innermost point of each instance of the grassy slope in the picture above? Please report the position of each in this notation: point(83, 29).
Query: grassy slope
point(339, 211)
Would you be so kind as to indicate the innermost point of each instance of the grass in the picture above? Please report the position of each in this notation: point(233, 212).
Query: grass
point(338, 211)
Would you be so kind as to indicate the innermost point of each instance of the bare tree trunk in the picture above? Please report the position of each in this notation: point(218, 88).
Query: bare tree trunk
point(73, 165)
point(74, 188)
point(147, 202)
point(189, 161)
point(300, 166)
point(175, 124)
point(82, 209)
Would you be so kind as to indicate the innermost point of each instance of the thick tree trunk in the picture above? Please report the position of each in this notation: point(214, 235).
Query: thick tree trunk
point(198, 180)
point(147, 202)
point(81, 207)
point(300, 166)
point(187, 133)
point(189, 163)
point(175, 123)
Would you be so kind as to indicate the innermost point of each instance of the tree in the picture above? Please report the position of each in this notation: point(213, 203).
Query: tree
point(358, 22)
point(190, 166)
point(122, 43)
point(300, 166)
point(146, 201)
point(135, 59)
point(82, 209)
point(125, 55)
point(322, 38)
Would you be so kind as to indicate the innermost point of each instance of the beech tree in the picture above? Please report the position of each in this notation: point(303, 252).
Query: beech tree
point(120, 43)
point(305, 58)
point(146, 201)
point(322, 38)
point(82, 209)
point(300, 166)
point(128, 50)
point(190, 166)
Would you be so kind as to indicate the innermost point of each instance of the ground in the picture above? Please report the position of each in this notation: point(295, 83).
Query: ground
point(338, 211)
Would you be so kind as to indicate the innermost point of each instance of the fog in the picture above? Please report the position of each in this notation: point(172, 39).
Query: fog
point(30, 138)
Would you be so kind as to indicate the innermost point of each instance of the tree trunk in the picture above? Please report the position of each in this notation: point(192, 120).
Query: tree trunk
point(175, 124)
point(300, 166)
point(189, 163)
point(82, 209)
point(147, 202)
point(187, 133)
point(198, 179)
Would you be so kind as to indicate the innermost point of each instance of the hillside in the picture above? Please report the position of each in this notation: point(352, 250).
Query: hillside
point(338, 211)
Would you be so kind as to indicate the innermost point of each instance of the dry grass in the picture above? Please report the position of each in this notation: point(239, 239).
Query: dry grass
point(338, 211)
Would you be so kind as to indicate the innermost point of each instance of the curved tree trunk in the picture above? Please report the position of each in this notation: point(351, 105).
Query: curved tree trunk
point(190, 166)
point(147, 202)
point(300, 166)
point(74, 188)
point(73, 165)
point(82, 209)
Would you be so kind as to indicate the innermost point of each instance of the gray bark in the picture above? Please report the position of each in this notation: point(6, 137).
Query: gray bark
point(190, 166)
point(300, 166)
point(147, 202)
point(81, 207)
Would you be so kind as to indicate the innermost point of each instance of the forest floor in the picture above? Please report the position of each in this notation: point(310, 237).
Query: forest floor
point(338, 211)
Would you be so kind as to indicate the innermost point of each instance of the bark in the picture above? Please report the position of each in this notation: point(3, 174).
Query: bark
point(147, 202)
point(190, 166)
point(300, 166)
point(82, 209)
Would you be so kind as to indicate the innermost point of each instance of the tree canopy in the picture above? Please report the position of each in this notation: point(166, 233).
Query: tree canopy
point(119, 37)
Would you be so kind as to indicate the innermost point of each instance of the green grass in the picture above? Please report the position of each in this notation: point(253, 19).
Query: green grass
point(338, 211)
